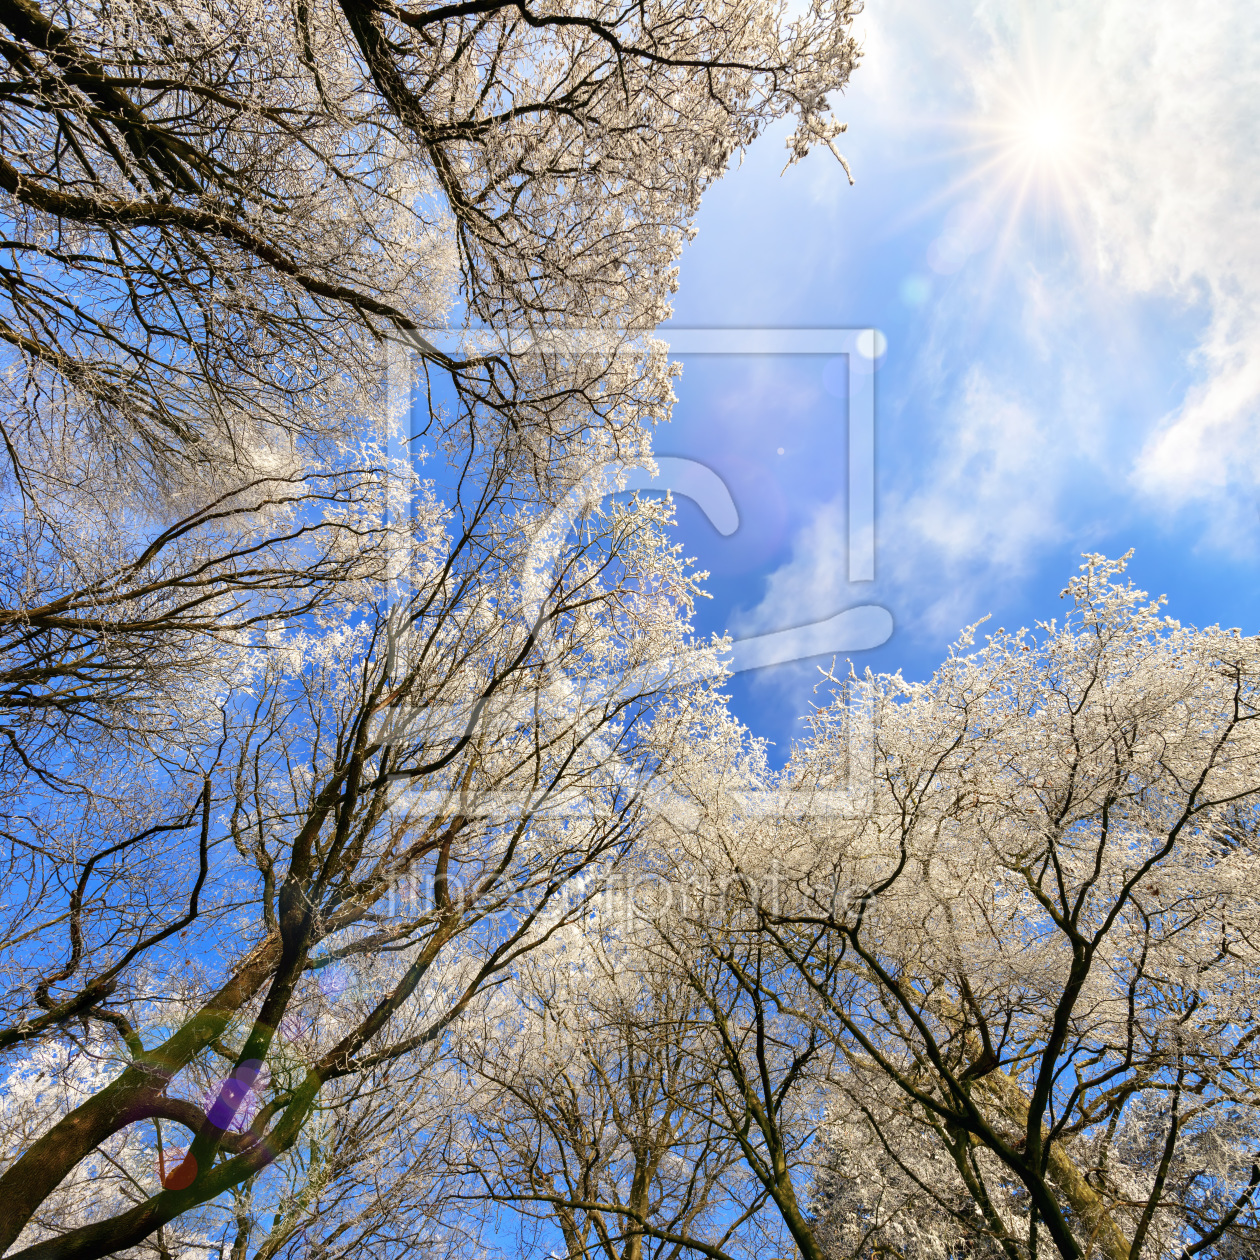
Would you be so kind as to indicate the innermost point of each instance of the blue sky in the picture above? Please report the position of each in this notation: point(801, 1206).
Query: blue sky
point(1055, 226)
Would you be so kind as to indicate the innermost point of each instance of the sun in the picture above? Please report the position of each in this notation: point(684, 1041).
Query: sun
point(1045, 132)
point(1033, 136)
point(1029, 151)
point(1025, 136)
point(1023, 131)
point(1032, 126)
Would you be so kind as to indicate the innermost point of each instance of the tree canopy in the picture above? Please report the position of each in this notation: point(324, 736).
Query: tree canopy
point(383, 869)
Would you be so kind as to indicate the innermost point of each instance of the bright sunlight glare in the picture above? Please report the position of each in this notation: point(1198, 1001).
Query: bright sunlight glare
point(1030, 157)
point(1045, 131)
point(1033, 143)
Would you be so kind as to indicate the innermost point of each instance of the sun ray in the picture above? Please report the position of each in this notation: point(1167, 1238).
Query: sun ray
point(1018, 139)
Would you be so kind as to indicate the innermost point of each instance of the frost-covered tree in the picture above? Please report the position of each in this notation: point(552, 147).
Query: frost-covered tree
point(292, 774)
point(593, 1120)
point(383, 815)
point(216, 213)
point(1029, 947)
point(975, 975)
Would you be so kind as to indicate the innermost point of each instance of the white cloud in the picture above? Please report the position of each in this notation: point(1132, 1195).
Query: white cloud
point(1174, 199)
point(990, 493)
point(1164, 186)
point(1178, 214)
point(988, 499)
point(1054, 416)
point(811, 585)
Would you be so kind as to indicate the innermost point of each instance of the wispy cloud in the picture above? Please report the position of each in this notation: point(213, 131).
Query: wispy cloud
point(1097, 215)
point(988, 498)
point(811, 585)
point(1156, 179)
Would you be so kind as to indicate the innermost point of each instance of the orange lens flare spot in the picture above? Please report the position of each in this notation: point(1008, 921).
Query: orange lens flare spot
point(182, 1175)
